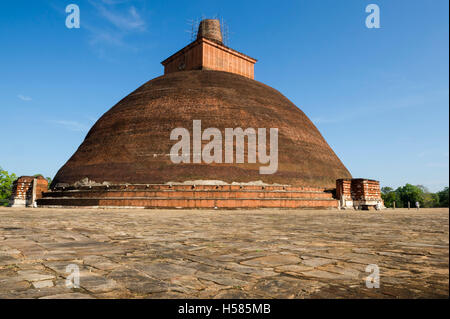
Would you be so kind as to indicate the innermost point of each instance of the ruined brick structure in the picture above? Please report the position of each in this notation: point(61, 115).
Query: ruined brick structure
point(207, 52)
point(26, 190)
point(359, 193)
point(124, 160)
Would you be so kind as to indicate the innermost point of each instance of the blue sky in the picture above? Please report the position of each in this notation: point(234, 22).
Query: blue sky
point(379, 96)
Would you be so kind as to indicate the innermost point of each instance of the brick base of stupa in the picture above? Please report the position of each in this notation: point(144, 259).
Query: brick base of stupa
point(190, 196)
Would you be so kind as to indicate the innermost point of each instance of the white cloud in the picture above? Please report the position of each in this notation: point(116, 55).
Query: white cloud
point(24, 98)
point(130, 21)
point(99, 36)
point(109, 24)
point(115, 21)
point(72, 125)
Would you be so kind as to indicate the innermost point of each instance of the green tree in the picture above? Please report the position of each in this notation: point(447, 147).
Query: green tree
point(386, 190)
point(423, 188)
point(443, 197)
point(410, 193)
point(6, 181)
point(389, 196)
point(430, 200)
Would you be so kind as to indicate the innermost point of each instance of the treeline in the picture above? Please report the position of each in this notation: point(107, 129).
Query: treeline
point(412, 194)
point(6, 182)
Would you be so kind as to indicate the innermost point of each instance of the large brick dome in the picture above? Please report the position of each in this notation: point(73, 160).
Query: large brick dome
point(131, 142)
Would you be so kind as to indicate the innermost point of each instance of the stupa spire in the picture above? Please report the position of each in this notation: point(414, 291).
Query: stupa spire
point(210, 29)
point(207, 52)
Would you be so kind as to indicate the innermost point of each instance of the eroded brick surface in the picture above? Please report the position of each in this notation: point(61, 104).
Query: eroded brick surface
point(223, 254)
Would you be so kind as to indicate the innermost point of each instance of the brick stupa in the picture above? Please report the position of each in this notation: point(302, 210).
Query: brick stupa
point(124, 160)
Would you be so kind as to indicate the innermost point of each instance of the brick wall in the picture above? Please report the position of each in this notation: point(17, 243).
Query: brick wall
point(364, 189)
point(189, 58)
point(22, 189)
point(343, 189)
point(358, 193)
point(204, 54)
point(190, 196)
point(220, 58)
point(41, 186)
point(26, 189)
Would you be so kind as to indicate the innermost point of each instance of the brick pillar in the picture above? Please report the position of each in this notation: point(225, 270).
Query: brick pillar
point(343, 193)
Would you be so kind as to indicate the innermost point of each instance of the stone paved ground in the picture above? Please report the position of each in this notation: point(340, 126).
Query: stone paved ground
point(223, 254)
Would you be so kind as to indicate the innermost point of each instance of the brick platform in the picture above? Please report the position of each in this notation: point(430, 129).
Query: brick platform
point(359, 193)
point(190, 196)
